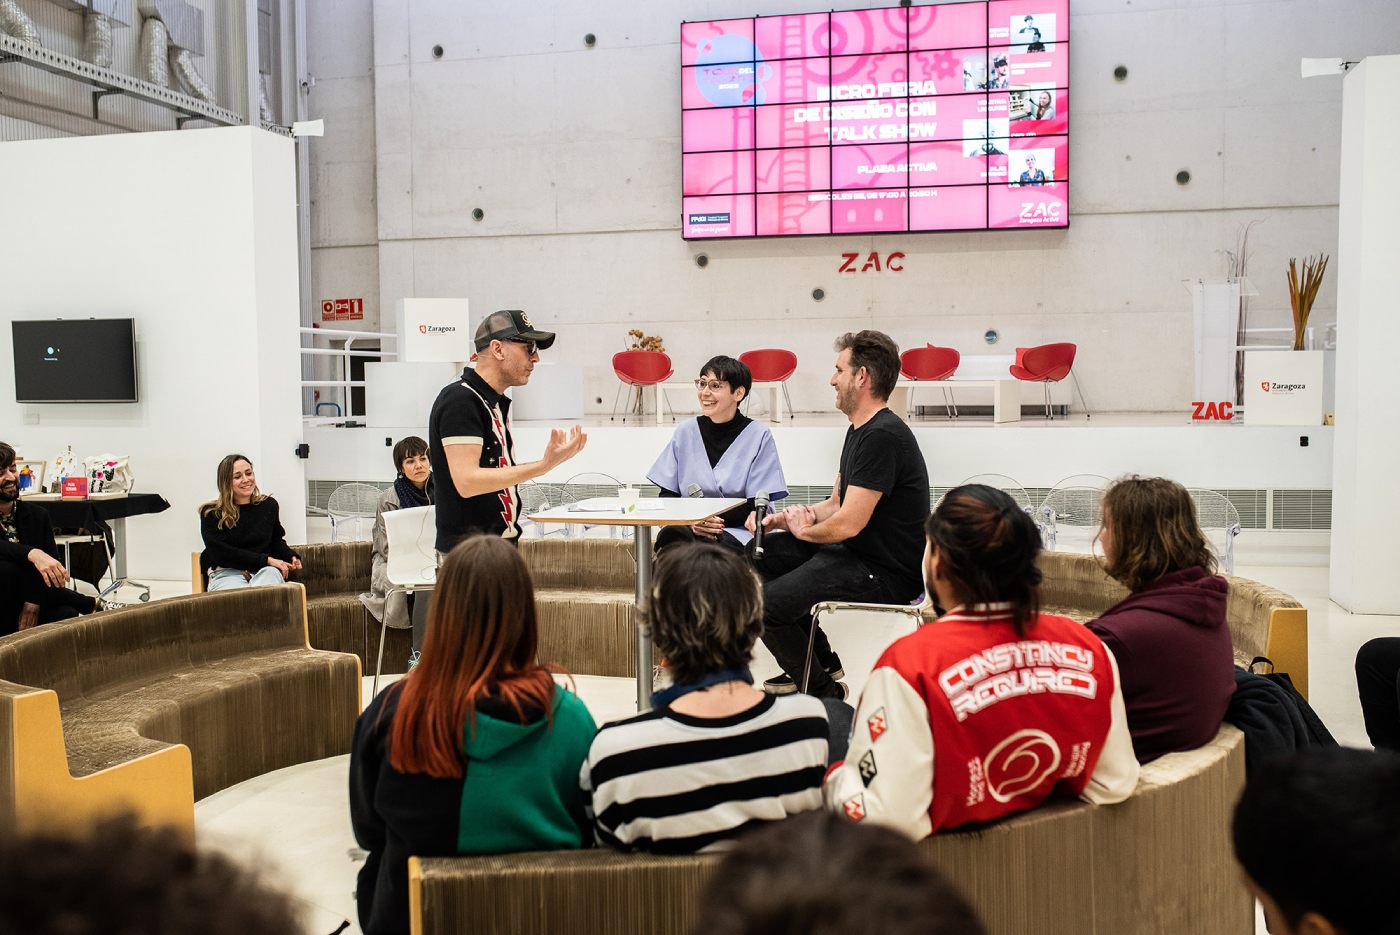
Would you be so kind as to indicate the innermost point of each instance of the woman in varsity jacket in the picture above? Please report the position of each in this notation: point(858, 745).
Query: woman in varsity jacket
point(244, 543)
point(477, 750)
point(715, 757)
point(995, 706)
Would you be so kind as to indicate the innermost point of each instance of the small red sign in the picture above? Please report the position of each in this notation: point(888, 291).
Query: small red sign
point(74, 488)
point(342, 309)
point(1212, 412)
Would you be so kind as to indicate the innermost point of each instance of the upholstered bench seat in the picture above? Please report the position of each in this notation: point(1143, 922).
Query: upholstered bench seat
point(208, 690)
point(1161, 862)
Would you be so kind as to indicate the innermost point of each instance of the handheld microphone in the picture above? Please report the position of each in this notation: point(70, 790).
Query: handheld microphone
point(760, 510)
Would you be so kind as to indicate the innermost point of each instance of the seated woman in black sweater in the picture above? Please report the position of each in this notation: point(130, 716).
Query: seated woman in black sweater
point(1169, 635)
point(244, 543)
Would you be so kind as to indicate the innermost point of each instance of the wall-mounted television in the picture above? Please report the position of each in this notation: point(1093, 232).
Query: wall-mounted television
point(75, 360)
point(945, 117)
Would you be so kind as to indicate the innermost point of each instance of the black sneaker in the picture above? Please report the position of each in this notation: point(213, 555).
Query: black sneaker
point(785, 685)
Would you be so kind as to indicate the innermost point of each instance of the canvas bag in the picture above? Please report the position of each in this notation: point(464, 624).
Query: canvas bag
point(108, 473)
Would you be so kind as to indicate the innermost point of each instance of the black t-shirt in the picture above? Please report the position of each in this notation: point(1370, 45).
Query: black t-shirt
point(882, 455)
point(470, 412)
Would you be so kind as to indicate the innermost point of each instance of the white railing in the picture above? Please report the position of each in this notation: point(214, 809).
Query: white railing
point(339, 387)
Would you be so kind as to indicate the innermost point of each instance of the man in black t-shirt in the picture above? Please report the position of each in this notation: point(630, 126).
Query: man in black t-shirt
point(863, 543)
point(469, 441)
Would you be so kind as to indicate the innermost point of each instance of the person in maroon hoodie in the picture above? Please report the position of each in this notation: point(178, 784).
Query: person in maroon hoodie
point(1169, 635)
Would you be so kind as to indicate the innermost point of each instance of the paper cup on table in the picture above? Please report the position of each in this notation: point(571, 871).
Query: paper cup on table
point(627, 498)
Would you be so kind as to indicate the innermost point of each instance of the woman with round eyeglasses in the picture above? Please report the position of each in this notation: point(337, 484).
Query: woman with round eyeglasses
point(720, 453)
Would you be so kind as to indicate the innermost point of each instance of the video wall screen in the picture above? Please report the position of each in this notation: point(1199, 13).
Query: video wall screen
point(924, 118)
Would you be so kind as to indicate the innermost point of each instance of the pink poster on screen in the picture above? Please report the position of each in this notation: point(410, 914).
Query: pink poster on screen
point(951, 116)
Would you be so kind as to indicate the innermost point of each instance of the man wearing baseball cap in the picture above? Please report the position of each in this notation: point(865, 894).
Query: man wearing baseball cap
point(469, 441)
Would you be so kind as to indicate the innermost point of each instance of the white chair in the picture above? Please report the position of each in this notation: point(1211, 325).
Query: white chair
point(412, 561)
point(1076, 503)
point(888, 623)
point(1220, 522)
point(586, 486)
point(351, 510)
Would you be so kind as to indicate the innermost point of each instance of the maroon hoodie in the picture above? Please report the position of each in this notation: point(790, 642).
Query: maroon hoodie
point(1175, 660)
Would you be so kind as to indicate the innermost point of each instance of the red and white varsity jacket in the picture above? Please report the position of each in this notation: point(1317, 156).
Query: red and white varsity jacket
point(965, 721)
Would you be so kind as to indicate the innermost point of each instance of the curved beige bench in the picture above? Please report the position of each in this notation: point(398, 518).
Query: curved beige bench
point(1158, 863)
point(154, 706)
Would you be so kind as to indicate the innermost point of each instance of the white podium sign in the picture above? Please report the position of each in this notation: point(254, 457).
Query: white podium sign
point(434, 330)
point(1283, 387)
point(1215, 317)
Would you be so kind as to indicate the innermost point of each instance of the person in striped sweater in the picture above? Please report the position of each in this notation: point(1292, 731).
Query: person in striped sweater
point(715, 756)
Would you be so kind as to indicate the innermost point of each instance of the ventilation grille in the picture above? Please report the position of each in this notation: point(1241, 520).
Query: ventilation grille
point(1302, 509)
point(1297, 510)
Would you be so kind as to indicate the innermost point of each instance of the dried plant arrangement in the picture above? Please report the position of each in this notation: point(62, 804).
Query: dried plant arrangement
point(1302, 291)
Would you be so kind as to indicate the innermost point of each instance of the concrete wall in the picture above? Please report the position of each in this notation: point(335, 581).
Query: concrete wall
point(573, 155)
point(202, 254)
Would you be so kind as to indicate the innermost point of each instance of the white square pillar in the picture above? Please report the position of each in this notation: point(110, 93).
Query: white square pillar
point(1366, 449)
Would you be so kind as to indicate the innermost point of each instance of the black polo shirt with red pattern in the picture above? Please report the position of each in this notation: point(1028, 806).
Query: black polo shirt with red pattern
point(470, 412)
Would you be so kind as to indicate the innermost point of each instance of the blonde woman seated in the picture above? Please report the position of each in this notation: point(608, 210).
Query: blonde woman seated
point(995, 706)
point(716, 756)
point(244, 542)
point(413, 487)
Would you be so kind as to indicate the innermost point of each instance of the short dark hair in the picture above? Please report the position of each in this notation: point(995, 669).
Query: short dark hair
point(409, 447)
point(123, 878)
point(730, 370)
point(1152, 531)
point(988, 546)
point(705, 610)
point(819, 874)
point(7, 455)
point(878, 354)
point(1319, 831)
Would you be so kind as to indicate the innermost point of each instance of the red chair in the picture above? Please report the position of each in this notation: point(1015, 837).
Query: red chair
point(1046, 364)
point(772, 365)
point(640, 368)
point(931, 363)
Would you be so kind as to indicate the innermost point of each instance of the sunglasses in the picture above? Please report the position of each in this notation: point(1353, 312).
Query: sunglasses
point(531, 348)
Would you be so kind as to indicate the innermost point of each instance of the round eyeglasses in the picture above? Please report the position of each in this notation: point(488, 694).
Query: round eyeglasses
point(714, 386)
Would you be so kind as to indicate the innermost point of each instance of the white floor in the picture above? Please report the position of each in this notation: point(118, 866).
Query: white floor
point(295, 824)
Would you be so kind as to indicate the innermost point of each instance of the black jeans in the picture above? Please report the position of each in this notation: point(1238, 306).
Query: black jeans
point(674, 535)
point(20, 584)
point(1378, 681)
point(798, 574)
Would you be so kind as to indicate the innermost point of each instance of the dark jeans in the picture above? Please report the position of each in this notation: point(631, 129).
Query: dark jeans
point(673, 535)
point(1378, 681)
point(798, 574)
point(20, 584)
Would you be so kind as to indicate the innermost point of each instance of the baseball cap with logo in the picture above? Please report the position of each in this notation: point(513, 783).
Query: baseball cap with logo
point(511, 324)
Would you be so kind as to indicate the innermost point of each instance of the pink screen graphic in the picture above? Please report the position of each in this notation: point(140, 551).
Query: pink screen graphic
point(946, 117)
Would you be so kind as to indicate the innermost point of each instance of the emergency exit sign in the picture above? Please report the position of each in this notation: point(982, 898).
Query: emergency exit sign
point(342, 309)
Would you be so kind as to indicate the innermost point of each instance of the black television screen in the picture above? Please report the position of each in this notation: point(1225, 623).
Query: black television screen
point(75, 360)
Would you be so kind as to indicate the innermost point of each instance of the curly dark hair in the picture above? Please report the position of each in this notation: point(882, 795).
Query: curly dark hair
point(122, 879)
point(987, 547)
point(705, 610)
point(819, 874)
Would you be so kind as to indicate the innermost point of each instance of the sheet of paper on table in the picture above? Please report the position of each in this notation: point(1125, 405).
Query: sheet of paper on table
point(613, 505)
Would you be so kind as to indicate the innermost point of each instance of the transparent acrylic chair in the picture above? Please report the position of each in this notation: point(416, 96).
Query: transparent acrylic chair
point(351, 510)
point(586, 486)
point(1071, 513)
point(1220, 521)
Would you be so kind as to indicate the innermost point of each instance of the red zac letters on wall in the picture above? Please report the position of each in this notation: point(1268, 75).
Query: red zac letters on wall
point(894, 262)
point(1212, 412)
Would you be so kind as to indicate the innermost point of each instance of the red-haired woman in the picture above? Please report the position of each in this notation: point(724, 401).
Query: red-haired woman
point(477, 750)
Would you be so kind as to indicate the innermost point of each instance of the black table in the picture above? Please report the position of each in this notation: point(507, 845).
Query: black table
point(90, 514)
